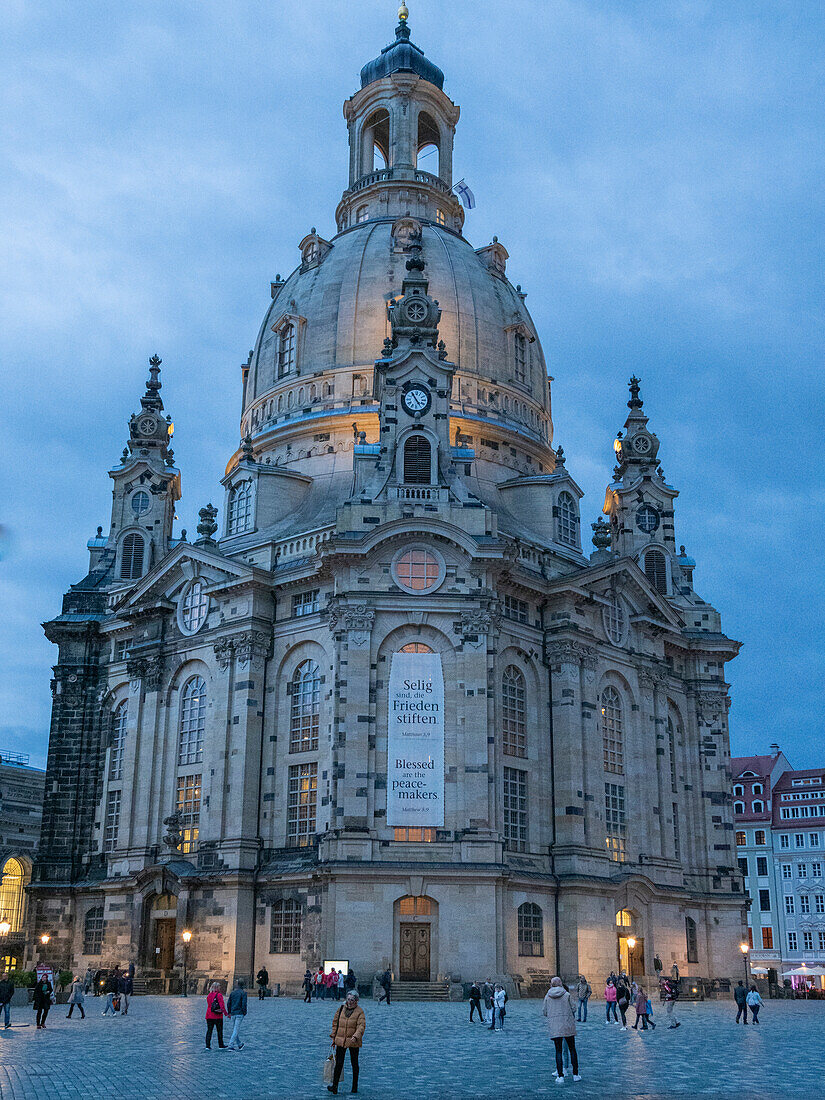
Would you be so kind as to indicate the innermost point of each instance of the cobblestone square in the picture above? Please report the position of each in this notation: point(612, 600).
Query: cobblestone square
point(410, 1050)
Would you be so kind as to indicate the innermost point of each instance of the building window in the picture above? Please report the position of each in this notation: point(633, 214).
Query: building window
point(195, 607)
point(819, 903)
point(515, 609)
point(739, 807)
point(615, 822)
point(743, 866)
point(140, 502)
point(417, 570)
point(131, 558)
point(188, 805)
point(792, 941)
point(520, 372)
point(677, 843)
point(816, 870)
point(761, 865)
point(120, 717)
point(612, 731)
point(415, 647)
point(656, 570)
point(567, 525)
point(767, 938)
point(789, 904)
point(738, 790)
point(756, 789)
point(362, 214)
point(414, 906)
point(286, 349)
point(624, 919)
point(240, 508)
point(758, 807)
point(305, 603)
point(759, 836)
point(112, 823)
point(192, 722)
point(741, 839)
point(807, 941)
point(93, 931)
point(804, 904)
point(802, 870)
point(513, 717)
point(691, 940)
point(302, 796)
point(515, 809)
point(764, 901)
point(613, 618)
point(530, 929)
point(285, 930)
point(799, 840)
point(417, 461)
point(11, 894)
point(813, 840)
point(305, 717)
point(440, 217)
point(784, 840)
point(786, 870)
point(414, 835)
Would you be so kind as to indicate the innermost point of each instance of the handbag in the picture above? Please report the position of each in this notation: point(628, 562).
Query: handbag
point(329, 1066)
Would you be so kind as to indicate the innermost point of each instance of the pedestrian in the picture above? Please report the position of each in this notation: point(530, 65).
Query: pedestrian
point(610, 999)
point(754, 1004)
point(561, 1023)
point(331, 982)
point(623, 1001)
point(670, 990)
point(237, 1010)
point(89, 980)
point(340, 991)
point(347, 1035)
point(740, 995)
point(649, 1012)
point(262, 978)
point(6, 994)
point(76, 999)
point(674, 973)
point(386, 985)
point(124, 988)
point(640, 1004)
point(499, 1011)
point(42, 1002)
point(215, 1012)
point(308, 983)
point(349, 982)
point(475, 1002)
point(111, 990)
point(320, 988)
point(583, 993)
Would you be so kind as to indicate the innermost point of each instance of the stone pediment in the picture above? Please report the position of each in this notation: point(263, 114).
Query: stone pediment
point(183, 564)
point(625, 576)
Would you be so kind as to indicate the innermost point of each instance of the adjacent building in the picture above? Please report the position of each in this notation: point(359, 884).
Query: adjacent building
point(21, 808)
point(391, 711)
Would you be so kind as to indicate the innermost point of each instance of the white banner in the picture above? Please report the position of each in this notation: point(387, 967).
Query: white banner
point(415, 741)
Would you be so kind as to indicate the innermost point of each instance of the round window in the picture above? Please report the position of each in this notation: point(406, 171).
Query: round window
point(613, 617)
point(140, 503)
point(417, 569)
point(194, 607)
point(647, 519)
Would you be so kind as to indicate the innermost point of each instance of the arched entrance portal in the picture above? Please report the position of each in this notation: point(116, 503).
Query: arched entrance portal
point(162, 921)
point(416, 925)
point(631, 943)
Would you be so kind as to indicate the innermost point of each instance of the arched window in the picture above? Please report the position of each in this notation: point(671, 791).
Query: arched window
point(739, 807)
point(428, 151)
point(739, 790)
point(375, 142)
point(195, 606)
point(624, 918)
point(530, 929)
point(11, 894)
point(756, 789)
point(614, 620)
point(120, 716)
point(520, 363)
point(415, 647)
point(192, 721)
point(758, 807)
point(240, 508)
point(362, 214)
point(306, 708)
point(93, 931)
point(286, 349)
point(417, 461)
point(671, 741)
point(513, 718)
point(285, 930)
point(568, 527)
point(691, 941)
point(131, 557)
point(656, 570)
point(411, 906)
point(612, 731)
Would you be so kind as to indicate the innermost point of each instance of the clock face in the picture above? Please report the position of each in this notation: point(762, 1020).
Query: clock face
point(641, 444)
point(416, 400)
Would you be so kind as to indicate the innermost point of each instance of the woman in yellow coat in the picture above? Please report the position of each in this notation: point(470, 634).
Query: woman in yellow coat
point(347, 1033)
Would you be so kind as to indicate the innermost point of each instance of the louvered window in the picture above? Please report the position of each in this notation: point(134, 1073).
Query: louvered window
point(131, 558)
point(417, 461)
point(656, 570)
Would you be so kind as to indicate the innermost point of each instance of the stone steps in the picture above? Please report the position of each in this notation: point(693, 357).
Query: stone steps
point(420, 991)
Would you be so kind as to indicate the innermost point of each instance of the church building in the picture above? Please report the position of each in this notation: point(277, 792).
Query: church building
point(387, 708)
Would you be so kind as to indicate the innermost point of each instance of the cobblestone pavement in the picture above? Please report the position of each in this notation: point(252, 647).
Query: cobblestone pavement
point(411, 1050)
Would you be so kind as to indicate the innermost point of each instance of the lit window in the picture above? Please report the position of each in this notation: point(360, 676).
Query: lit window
point(767, 938)
point(612, 731)
point(306, 708)
point(624, 918)
point(656, 570)
point(302, 794)
point(305, 603)
point(415, 647)
point(140, 502)
point(515, 809)
point(285, 930)
point(362, 214)
point(515, 609)
point(93, 931)
point(513, 717)
point(567, 525)
point(286, 350)
point(112, 823)
point(615, 822)
point(11, 894)
point(415, 835)
point(440, 217)
point(195, 607)
point(530, 929)
point(417, 570)
point(240, 508)
point(613, 618)
point(192, 721)
point(120, 717)
point(741, 839)
point(415, 906)
point(417, 461)
point(520, 357)
point(188, 805)
point(131, 558)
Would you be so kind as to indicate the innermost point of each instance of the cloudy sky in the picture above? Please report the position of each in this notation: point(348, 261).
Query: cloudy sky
point(654, 170)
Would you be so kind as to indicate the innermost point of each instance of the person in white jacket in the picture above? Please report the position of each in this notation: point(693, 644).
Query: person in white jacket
point(754, 1004)
point(499, 1000)
point(561, 1023)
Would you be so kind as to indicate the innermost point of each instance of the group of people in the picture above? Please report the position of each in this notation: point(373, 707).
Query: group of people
point(747, 999)
point(494, 999)
point(331, 986)
point(217, 1009)
point(622, 992)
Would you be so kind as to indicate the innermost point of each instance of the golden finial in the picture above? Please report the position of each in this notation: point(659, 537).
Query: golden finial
point(403, 13)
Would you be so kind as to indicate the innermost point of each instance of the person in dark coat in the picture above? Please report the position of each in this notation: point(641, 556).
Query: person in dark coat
point(386, 985)
point(349, 981)
point(623, 1000)
point(6, 994)
point(475, 1001)
point(262, 978)
point(112, 988)
point(42, 1001)
point(308, 984)
point(740, 995)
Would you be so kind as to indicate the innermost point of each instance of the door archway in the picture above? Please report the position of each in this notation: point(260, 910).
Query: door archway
point(416, 922)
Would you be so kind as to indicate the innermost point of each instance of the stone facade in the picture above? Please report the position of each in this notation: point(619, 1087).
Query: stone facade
point(21, 809)
point(219, 743)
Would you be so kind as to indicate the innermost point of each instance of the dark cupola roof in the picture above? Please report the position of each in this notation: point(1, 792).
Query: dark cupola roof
point(402, 56)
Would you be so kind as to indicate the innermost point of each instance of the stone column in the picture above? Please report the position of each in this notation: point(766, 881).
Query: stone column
point(477, 806)
point(655, 842)
point(147, 807)
point(573, 667)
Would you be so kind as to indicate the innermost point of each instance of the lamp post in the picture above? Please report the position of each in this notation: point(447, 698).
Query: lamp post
point(186, 937)
point(631, 943)
point(5, 928)
point(745, 948)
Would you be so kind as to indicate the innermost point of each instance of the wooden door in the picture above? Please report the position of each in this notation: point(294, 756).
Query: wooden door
point(415, 953)
point(164, 943)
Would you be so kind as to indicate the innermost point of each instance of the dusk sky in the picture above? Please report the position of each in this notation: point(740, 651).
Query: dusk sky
point(655, 171)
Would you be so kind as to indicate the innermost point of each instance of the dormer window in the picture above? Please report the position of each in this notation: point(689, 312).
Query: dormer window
point(520, 363)
point(240, 508)
point(286, 349)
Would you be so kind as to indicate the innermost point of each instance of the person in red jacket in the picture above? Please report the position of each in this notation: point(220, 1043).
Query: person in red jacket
point(215, 1012)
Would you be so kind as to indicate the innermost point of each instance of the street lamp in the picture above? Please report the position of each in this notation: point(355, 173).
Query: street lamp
point(745, 948)
point(186, 937)
point(44, 939)
point(5, 928)
point(631, 943)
